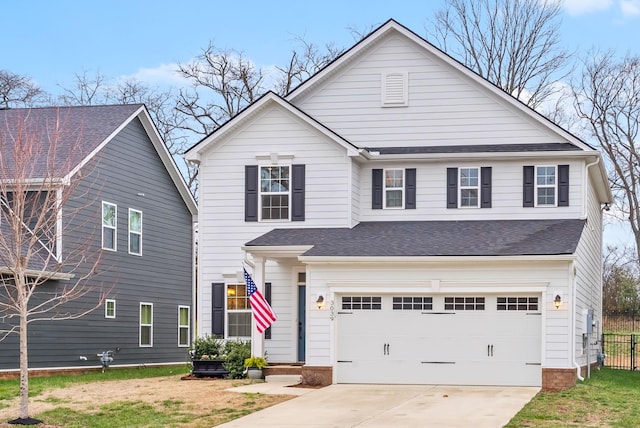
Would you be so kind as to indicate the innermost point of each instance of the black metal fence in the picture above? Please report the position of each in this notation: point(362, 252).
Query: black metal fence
point(620, 339)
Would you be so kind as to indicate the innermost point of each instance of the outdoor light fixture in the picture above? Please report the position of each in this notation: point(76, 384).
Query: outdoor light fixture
point(557, 301)
point(320, 301)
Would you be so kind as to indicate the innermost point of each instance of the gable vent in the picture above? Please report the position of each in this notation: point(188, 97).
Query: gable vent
point(394, 89)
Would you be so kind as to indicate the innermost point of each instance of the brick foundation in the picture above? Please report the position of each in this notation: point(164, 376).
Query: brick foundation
point(317, 375)
point(555, 380)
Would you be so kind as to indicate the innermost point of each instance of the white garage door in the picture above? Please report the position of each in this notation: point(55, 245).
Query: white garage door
point(454, 340)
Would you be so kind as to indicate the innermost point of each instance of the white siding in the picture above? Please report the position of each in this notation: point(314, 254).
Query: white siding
point(223, 231)
point(445, 107)
point(431, 197)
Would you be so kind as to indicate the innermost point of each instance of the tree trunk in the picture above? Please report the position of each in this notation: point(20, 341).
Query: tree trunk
point(24, 368)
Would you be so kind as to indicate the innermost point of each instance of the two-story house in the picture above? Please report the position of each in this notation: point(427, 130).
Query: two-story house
point(409, 222)
point(131, 210)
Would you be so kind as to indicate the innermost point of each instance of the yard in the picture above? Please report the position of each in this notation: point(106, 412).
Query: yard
point(158, 397)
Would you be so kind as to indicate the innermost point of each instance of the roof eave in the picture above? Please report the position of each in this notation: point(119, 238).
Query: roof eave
point(372, 156)
point(434, 259)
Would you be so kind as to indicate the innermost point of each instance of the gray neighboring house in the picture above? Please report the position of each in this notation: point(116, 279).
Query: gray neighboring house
point(147, 247)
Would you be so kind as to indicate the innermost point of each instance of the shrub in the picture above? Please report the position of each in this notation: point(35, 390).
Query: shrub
point(237, 351)
point(207, 348)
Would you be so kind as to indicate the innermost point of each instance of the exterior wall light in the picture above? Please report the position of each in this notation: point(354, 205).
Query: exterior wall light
point(320, 301)
point(557, 301)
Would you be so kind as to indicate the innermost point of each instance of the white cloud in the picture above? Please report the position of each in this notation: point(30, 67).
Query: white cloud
point(579, 7)
point(163, 75)
point(630, 8)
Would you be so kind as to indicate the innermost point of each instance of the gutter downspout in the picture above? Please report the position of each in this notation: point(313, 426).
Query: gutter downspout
point(573, 321)
point(585, 196)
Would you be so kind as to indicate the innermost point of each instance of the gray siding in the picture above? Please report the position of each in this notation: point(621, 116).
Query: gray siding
point(129, 173)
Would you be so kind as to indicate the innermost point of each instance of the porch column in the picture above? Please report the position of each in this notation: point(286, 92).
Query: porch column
point(257, 339)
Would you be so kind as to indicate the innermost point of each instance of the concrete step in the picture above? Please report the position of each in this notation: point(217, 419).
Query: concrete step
point(283, 369)
point(284, 379)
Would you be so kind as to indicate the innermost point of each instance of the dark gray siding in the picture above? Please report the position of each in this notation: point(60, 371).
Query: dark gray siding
point(129, 173)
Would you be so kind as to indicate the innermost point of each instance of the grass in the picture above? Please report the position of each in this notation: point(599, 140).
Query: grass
point(10, 388)
point(610, 398)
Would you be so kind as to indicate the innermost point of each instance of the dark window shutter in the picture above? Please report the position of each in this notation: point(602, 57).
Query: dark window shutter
point(217, 308)
point(267, 295)
point(528, 186)
point(297, 193)
point(563, 185)
point(410, 189)
point(452, 187)
point(251, 192)
point(376, 191)
point(485, 187)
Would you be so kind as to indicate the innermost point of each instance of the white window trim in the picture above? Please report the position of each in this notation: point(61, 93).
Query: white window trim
point(106, 308)
point(397, 97)
point(188, 326)
point(145, 325)
point(546, 186)
point(385, 188)
point(235, 311)
point(260, 193)
point(131, 210)
point(461, 187)
point(103, 226)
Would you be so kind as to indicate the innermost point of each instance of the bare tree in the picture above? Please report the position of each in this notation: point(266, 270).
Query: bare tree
point(512, 43)
point(18, 91)
point(89, 90)
point(607, 98)
point(38, 200)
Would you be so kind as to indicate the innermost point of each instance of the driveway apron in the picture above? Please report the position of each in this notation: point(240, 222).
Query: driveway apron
point(342, 405)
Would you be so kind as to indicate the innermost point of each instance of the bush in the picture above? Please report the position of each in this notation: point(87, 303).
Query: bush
point(208, 348)
point(236, 352)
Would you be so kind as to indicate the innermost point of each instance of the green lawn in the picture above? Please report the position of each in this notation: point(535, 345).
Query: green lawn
point(610, 398)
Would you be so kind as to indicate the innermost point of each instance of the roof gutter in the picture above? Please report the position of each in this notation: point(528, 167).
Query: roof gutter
point(432, 259)
point(376, 156)
point(35, 273)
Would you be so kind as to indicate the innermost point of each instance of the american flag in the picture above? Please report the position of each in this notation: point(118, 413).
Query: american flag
point(262, 312)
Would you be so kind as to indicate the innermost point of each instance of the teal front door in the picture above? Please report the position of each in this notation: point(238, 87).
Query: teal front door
point(302, 312)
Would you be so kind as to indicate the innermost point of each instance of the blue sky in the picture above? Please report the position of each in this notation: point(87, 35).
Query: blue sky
point(51, 41)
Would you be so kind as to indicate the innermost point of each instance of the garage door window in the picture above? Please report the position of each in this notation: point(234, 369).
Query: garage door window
point(517, 304)
point(362, 303)
point(464, 303)
point(413, 303)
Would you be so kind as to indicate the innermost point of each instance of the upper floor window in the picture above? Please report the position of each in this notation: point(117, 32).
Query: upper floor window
point(36, 213)
point(274, 192)
point(110, 308)
point(109, 222)
point(469, 187)
point(393, 188)
point(546, 185)
point(135, 232)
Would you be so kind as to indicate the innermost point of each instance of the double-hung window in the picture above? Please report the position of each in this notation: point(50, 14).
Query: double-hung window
point(184, 329)
point(393, 188)
point(146, 324)
point(546, 185)
point(275, 194)
point(238, 311)
point(109, 308)
point(109, 223)
point(135, 232)
point(469, 187)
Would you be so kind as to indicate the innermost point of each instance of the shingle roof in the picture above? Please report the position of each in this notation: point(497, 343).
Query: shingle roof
point(81, 129)
point(480, 148)
point(434, 238)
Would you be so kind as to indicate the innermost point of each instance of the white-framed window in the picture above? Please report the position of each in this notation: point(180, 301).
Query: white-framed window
point(135, 232)
point(275, 192)
point(184, 326)
point(146, 324)
point(110, 308)
point(546, 185)
point(393, 193)
point(109, 224)
point(238, 311)
point(469, 188)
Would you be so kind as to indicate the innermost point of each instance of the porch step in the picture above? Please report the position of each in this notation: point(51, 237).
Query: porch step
point(282, 369)
point(284, 379)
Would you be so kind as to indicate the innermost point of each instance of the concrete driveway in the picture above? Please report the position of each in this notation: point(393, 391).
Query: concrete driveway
point(394, 406)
